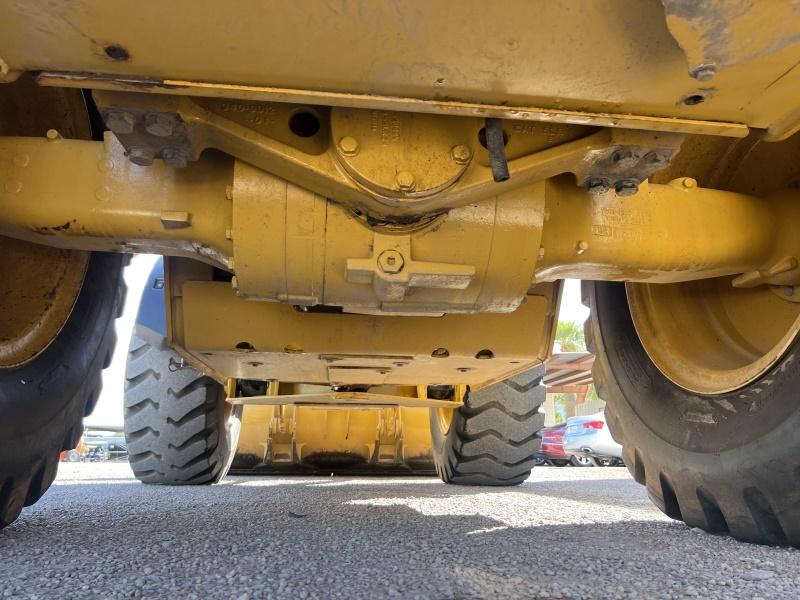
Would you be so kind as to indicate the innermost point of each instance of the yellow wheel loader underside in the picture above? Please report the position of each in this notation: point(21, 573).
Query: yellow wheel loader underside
point(372, 195)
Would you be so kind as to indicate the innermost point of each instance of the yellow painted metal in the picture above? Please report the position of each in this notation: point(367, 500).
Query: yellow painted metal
point(518, 112)
point(389, 147)
point(38, 288)
point(666, 233)
point(613, 62)
point(87, 195)
point(344, 400)
point(474, 258)
point(444, 414)
point(276, 341)
point(289, 437)
point(710, 337)
point(38, 285)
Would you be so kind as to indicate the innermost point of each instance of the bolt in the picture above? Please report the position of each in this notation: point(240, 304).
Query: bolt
point(229, 192)
point(597, 185)
point(689, 183)
point(160, 124)
point(461, 154)
point(141, 155)
point(53, 135)
point(391, 261)
point(228, 233)
point(581, 247)
point(348, 146)
point(788, 290)
point(440, 353)
point(654, 158)
point(623, 156)
point(703, 72)
point(174, 157)
point(230, 264)
point(405, 181)
point(626, 187)
point(120, 121)
point(234, 283)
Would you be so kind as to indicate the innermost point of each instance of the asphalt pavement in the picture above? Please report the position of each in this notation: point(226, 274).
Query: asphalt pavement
point(565, 533)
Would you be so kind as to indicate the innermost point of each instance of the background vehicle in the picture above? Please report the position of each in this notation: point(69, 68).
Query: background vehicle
point(589, 437)
point(391, 223)
point(552, 447)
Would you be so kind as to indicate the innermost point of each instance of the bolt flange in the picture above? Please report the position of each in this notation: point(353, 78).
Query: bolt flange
point(120, 121)
point(348, 146)
point(626, 187)
point(160, 124)
point(461, 154)
point(406, 181)
point(391, 261)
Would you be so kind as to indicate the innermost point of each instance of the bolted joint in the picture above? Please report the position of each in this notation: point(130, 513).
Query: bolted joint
point(348, 146)
point(120, 121)
point(597, 185)
point(174, 157)
point(406, 181)
point(626, 187)
point(461, 154)
point(141, 155)
point(703, 72)
point(391, 262)
point(160, 124)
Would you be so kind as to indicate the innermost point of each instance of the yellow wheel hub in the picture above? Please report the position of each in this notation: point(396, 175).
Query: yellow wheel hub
point(709, 337)
point(444, 416)
point(38, 289)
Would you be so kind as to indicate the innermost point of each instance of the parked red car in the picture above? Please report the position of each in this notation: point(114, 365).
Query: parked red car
point(552, 449)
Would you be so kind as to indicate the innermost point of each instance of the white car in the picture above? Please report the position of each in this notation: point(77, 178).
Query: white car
point(589, 437)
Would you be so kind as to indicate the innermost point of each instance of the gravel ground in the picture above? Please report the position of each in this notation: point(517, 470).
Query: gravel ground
point(566, 533)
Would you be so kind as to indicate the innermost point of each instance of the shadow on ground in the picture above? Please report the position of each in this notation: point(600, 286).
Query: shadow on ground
point(367, 538)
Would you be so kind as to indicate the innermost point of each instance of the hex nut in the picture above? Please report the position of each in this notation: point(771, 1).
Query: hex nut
point(160, 124)
point(626, 187)
point(624, 158)
point(405, 181)
point(391, 261)
point(598, 185)
point(704, 72)
point(120, 121)
point(174, 157)
point(348, 146)
point(141, 155)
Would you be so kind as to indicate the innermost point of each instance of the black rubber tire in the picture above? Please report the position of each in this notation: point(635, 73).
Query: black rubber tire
point(179, 429)
point(42, 403)
point(725, 463)
point(493, 437)
point(559, 462)
point(575, 462)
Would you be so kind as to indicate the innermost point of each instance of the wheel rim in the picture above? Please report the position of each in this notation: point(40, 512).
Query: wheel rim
point(444, 416)
point(709, 337)
point(38, 290)
point(40, 285)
